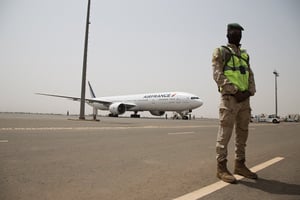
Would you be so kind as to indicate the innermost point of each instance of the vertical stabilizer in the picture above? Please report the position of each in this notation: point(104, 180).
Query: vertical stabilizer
point(91, 91)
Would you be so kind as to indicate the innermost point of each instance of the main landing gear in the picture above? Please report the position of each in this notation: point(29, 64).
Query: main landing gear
point(135, 115)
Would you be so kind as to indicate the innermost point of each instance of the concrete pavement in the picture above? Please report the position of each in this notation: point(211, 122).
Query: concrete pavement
point(51, 157)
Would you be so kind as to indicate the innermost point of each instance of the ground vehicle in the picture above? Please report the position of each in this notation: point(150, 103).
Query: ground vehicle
point(266, 118)
point(292, 118)
point(273, 119)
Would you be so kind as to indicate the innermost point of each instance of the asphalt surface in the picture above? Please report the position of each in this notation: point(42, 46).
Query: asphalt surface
point(53, 157)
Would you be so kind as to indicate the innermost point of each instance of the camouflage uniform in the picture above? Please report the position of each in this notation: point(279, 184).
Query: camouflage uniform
point(230, 112)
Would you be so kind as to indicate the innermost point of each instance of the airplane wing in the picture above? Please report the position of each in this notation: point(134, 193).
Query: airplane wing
point(76, 98)
point(88, 100)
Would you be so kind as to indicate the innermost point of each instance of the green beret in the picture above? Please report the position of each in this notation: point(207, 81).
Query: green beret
point(234, 26)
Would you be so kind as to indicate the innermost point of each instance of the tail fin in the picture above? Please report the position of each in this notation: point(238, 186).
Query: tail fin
point(91, 91)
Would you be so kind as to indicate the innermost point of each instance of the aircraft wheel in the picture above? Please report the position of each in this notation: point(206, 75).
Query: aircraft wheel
point(135, 116)
point(185, 117)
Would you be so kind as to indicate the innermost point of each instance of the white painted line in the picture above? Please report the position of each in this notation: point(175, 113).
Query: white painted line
point(101, 128)
point(266, 164)
point(181, 133)
point(61, 128)
point(220, 184)
point(3, 141)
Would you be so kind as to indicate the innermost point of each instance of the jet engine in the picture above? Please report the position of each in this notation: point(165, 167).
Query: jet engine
point(157, 113)
point(117, 108)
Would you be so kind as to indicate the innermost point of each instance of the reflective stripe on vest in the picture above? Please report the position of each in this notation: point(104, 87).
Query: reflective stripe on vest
point(237, 70)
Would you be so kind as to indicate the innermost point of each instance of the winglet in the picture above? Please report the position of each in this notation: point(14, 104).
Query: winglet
point(91, 91)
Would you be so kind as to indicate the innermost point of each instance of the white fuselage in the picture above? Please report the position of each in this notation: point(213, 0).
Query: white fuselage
point(156, 103)
point(165, 101)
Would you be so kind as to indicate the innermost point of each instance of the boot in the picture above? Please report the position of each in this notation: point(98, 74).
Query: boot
point(241, 169)
point(224, 174)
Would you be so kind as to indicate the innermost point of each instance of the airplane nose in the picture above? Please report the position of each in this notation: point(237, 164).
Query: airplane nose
point(200, 102)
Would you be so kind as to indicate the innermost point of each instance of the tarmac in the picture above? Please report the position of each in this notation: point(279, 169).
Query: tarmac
point(60, 157)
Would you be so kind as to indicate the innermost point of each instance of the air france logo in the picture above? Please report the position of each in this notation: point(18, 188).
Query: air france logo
point(159, 95)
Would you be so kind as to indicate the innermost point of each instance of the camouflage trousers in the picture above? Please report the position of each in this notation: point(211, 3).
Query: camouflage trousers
point(233, 114)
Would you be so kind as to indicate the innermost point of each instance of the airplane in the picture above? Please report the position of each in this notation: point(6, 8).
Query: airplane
point(156, 103)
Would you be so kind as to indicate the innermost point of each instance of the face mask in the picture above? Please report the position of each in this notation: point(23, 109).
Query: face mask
point(234, 37)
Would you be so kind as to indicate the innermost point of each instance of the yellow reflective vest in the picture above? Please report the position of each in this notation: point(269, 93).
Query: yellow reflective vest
point(236, 68)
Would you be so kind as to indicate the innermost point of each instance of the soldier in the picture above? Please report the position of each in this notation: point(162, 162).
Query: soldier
point(235, 81)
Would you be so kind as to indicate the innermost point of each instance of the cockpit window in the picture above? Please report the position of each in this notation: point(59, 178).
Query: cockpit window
point(194, 97)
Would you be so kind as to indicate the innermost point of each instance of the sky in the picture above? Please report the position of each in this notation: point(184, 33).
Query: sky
point(141, 46)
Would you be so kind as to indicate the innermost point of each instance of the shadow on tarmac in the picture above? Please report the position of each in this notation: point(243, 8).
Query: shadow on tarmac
point(273, 186)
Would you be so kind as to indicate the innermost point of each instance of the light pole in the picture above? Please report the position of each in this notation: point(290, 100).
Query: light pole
point(276, 107)
point(82, 101)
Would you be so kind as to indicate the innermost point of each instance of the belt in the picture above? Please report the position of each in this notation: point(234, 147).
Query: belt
point(228, 95)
